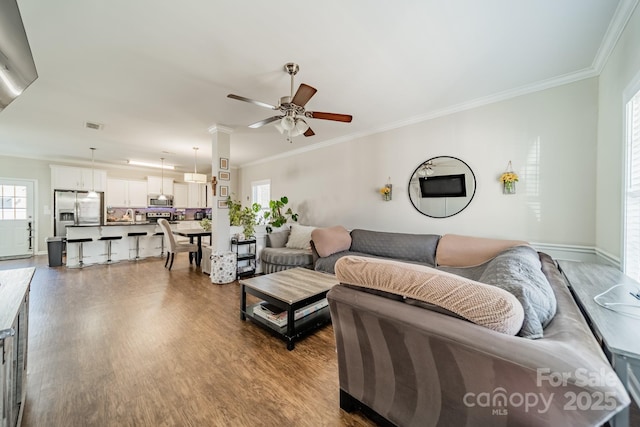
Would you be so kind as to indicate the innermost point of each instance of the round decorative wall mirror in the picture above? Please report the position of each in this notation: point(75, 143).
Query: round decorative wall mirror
point(442, 187)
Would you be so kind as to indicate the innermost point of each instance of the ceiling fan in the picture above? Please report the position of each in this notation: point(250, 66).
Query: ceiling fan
point(293, 114)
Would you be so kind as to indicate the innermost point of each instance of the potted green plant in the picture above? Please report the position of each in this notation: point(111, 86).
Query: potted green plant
point(276, 216)
point(245, 217)
point(205, 224)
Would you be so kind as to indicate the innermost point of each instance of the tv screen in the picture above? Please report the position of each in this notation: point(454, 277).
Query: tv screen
point(443, 186)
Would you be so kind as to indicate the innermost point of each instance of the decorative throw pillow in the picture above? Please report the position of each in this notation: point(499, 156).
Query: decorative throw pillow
point(277, 239)
point(482, 304)
point(519, 272)
point(300, 237)
point(467, 251)
point(330, 240)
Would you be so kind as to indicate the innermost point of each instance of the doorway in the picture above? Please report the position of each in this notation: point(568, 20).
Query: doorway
point(17, 225)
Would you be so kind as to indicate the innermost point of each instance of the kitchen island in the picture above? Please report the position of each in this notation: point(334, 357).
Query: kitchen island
point(96, 251)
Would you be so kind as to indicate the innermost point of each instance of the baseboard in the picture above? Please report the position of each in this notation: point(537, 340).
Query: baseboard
point(578, 253)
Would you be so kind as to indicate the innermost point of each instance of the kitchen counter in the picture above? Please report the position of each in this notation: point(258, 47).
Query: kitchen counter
point(150, 244)
point(129, 223)
point(14, 332)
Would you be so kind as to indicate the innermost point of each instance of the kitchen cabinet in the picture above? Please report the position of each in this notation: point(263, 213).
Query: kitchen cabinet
point(14, 332)
point(157, 185)
point(83, 179)
point(181, 195)
point(197, 195)
point(126, 193)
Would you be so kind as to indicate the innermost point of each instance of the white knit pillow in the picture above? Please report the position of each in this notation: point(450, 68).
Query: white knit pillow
point(300, 237)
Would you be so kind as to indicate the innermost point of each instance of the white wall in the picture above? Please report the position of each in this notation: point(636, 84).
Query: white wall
point(550, 137)
point(622, 66)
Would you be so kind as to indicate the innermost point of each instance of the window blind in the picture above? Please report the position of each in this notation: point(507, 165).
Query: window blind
point(632, 191)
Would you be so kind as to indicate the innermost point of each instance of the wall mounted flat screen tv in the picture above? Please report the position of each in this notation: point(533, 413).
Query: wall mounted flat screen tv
point(443, 186)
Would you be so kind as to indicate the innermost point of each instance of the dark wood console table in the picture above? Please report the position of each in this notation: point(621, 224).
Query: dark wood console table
point(618, 333)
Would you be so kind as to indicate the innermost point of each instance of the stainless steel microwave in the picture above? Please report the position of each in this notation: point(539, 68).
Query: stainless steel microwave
point(155, 201)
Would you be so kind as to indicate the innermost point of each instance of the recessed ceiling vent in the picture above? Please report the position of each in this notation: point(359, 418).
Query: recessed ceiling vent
point(93, 125)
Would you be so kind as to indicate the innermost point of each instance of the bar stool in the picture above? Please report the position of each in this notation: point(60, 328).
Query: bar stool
point(80, 242)
point(109, 239)
point(137, 235)
point(161, 234)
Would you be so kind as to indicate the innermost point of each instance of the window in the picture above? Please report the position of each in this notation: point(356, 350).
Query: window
point(261, 193)
point(13, 202)
point(632, 191)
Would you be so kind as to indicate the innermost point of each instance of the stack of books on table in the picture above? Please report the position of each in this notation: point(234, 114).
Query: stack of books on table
point(278, 316)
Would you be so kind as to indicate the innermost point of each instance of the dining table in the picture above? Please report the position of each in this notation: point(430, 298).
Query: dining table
point(197, 234)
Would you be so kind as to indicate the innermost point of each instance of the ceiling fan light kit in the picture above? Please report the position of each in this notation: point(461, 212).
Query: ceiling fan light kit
point(291, 122)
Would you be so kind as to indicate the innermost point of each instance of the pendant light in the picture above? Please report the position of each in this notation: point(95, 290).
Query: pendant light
point(196, 177)
point(162, 196)
point(92, 194)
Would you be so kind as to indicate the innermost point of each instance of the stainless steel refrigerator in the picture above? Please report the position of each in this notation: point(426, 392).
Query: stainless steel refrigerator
point(76, 208)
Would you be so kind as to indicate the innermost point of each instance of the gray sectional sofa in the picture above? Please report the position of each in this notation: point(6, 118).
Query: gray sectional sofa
point(408, 362)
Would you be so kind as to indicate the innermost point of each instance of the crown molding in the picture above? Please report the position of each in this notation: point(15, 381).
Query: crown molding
point(479, 102)
point(616, 26)
point(219, 128)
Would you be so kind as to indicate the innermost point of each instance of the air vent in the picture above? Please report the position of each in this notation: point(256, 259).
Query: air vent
point(93, 125)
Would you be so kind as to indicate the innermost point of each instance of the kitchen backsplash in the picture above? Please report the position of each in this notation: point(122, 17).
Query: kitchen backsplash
point(114, 213)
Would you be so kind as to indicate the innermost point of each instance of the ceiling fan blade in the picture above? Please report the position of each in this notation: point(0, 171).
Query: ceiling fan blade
point(329, 116)
point(303, 95)
point(265, 122)
point(309, 132)
point(252, 101)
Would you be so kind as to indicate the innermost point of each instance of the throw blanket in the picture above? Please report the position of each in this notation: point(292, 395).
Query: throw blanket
point(518, 271)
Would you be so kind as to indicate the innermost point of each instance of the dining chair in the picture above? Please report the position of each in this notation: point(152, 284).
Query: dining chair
point(174, 246)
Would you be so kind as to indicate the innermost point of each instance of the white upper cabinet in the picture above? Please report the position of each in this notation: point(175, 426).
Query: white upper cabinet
point(181, 195)
point(126, 193)
point(156, 185)
point(83, 179)
point(197, 195)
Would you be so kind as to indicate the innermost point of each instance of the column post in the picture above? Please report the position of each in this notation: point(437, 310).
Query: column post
point(220, 149)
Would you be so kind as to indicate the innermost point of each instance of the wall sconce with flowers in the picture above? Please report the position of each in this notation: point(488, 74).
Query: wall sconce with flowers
point(386, 191)
point(508, 180)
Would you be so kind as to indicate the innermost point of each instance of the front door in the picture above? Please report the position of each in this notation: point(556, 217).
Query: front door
point(16, 218)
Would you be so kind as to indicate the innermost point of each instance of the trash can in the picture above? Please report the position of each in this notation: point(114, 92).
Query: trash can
point(54, 249)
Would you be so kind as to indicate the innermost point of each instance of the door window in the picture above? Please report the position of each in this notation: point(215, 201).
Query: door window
point(13, 199)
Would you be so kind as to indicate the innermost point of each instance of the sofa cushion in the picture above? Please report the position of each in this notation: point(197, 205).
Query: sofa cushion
point(277, 239)
point(401, 246)
point(328, 241)
point(287, 256)
point(466, 251)
point(300, 237)
point(479, 303)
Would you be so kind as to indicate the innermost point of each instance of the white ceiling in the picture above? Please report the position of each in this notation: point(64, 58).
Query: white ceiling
point(156, 72)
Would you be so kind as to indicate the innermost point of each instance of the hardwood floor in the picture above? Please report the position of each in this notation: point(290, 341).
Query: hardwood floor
point(133, 344)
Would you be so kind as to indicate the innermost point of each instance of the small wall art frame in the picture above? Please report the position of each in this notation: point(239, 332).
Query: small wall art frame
point(224, 191)
point(224, 176)
point(224, 163)
point(222, 204)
